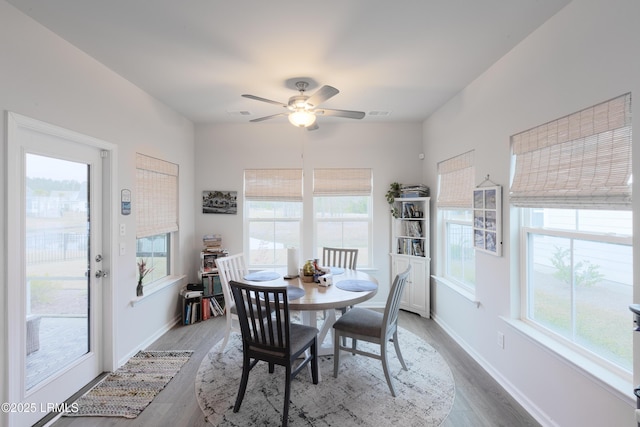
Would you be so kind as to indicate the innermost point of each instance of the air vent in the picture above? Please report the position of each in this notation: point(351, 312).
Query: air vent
point(239, 113)
point(379, 113)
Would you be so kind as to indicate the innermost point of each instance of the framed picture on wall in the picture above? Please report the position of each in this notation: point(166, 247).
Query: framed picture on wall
point(487, 219)
point(219, 202)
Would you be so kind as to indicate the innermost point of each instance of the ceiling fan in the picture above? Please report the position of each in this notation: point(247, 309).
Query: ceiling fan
point(303, 109)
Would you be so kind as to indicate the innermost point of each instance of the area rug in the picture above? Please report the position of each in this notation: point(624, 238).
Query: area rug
point(130, 389)
point(359, 396)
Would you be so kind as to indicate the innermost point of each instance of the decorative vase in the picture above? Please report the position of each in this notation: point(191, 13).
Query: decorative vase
point(139, 289)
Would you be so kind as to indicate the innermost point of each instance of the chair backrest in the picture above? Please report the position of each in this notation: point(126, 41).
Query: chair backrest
point(340, 257)
point(263, 312)
point(232, 267)
point(390, 319)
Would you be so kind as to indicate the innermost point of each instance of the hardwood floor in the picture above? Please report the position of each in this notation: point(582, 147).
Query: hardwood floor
point(479, 401)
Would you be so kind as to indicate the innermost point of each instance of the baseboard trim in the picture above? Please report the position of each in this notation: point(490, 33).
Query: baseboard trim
point(531, 408)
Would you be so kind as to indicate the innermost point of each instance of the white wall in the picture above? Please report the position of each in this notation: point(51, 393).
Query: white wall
point(584, 55)
point(43, 77)
point(224, 151)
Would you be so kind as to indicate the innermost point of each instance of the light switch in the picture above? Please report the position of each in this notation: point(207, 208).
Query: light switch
point(123, 249)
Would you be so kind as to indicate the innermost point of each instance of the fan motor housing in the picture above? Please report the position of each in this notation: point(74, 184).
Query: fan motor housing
point(298, 102)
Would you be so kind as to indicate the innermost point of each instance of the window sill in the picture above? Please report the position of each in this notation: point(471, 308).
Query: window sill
point(621, 386)
point(156, 287)
point(466, 293)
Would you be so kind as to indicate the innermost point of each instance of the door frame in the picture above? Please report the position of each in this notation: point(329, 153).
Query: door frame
point(14, 385)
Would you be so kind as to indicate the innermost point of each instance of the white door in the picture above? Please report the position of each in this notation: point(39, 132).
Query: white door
point(56, 266)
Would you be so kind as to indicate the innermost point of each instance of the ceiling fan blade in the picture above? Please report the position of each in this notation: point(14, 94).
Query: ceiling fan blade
point(257, 98)
point(321, 95)
point(273, 116)
point(313, 126)
point(341, 113)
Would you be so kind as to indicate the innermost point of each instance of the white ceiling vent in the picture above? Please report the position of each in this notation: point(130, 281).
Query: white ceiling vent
point(239, 113)
point(376, 113)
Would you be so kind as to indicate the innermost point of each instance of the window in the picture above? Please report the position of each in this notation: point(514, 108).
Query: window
point(571, 181)
point(273, 215)
point(455, 189)
point(342, 210)
point(156, 207)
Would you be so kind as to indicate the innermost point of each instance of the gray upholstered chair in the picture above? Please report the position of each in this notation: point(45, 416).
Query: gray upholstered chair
point(232, 267)
point(269, 335)
point(372, 326)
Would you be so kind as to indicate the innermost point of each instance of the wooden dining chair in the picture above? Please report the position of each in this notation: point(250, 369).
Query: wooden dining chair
point(340, 257)
point(230, 268)
point(372, 326)
point(268, 335)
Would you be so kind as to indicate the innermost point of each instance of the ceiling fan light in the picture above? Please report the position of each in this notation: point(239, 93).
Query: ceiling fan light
point(302, 118)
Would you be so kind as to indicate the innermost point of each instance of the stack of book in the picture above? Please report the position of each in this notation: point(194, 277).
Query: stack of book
point(212, 242)
point(414, 190)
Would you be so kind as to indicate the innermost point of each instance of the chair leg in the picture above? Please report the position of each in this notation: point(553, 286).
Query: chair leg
point(271, 368)
point(314, 362)
point(287, 396)
point(336, 352)
point(227, 333)
point(246, 367)
point(397, 346)
point(385, 367)
point(342, 311)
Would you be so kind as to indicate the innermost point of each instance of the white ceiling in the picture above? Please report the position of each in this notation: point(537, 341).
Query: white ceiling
point(405, 57)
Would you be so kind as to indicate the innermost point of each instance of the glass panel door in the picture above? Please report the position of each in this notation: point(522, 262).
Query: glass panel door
point(54, 265)
point(57, 229)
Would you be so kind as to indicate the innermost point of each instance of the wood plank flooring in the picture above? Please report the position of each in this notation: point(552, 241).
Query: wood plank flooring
point(479, 402)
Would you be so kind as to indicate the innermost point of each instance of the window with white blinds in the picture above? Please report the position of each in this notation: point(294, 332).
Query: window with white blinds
point(273, 184)
point(582, 160)
point(156, 197)
point(342, 182)
point(455, 186)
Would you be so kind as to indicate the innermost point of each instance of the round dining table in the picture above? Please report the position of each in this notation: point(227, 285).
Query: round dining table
point(311, 298)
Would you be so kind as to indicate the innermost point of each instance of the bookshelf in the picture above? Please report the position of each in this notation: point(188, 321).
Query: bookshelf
point(196, 306)
point(410, 246)
point(205, 299)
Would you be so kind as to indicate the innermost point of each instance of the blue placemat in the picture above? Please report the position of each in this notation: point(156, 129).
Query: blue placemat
point(336, 270)
point(262, 276)
point(355, 285)
point(293, 292)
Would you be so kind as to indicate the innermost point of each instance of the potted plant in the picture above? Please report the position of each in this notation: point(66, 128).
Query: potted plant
point(392, 193)
point(142, 272)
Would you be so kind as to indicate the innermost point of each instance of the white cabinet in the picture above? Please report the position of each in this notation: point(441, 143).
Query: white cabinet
point(410, 246)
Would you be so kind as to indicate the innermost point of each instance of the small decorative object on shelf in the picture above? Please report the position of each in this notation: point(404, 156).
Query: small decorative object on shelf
point(142, 272)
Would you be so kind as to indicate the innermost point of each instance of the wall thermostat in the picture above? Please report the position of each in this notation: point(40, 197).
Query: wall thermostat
point(125, 202)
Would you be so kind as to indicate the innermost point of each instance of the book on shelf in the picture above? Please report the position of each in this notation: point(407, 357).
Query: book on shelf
point(212, 240)
point(412, 229)
point(410, 247)
point(215, 307)
point(414, 190)
point(187, 313)
point(206, 313)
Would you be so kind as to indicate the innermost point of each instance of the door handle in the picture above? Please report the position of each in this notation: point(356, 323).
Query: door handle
point(100, 274)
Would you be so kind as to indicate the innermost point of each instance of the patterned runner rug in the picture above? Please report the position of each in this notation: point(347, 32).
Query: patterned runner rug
point(128, 390)
point(359, 396)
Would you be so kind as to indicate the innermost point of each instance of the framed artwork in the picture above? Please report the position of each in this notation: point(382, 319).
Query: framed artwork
point(487, 219)
point(219, 202)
